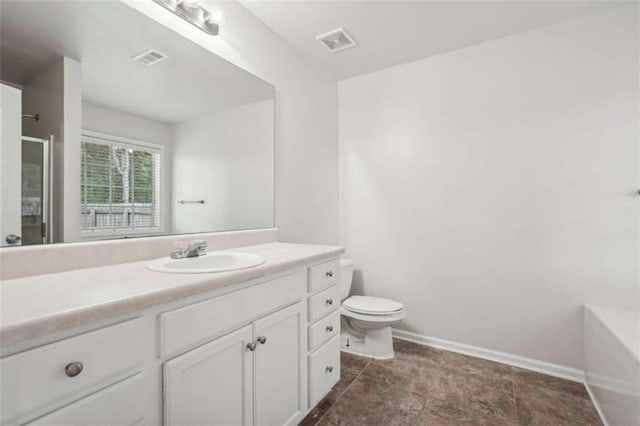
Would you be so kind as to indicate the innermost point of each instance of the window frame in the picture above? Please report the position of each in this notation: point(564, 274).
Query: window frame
point(124, 142)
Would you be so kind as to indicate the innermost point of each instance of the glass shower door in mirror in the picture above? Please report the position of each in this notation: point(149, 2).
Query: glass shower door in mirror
point(35, 191)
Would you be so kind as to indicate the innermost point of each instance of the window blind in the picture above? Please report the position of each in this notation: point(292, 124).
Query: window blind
point(120, 186)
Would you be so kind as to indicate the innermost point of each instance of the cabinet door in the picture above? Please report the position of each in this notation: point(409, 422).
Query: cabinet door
point(280, 366)
point(211, 385)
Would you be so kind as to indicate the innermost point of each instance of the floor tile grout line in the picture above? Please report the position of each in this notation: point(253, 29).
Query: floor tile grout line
point(546, 389)
point(515, 400)
point(439, 366)
point(375, 379)
point(343, 392)
point(440, 370)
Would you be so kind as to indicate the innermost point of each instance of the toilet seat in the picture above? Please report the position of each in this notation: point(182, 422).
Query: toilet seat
point(367, 305)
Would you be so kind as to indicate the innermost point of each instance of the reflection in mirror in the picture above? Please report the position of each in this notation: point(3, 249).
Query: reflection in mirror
point(114, 126)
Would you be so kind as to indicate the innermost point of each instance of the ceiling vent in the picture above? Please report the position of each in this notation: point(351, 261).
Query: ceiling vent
point(336, 40)
point(150, 57)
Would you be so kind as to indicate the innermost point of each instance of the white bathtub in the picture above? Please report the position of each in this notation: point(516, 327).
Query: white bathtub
point(612, 364)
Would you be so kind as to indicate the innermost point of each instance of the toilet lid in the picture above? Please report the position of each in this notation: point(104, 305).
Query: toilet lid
point(372, 305)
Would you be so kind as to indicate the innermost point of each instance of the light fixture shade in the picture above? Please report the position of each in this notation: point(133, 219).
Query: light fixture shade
point(193, 13)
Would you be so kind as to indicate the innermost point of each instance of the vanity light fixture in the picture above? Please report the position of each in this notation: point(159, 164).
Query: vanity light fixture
point(192, 12)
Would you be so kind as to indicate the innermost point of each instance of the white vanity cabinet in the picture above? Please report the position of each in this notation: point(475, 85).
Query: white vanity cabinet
point(250, 376)
point(324, 329)
point(259, 352)
point(89, 364)
point(270, 372)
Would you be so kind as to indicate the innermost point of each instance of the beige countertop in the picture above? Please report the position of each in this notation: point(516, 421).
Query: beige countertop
point(35, 306)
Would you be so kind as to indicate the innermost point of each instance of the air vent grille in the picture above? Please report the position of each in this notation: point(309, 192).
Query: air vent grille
point(150, 57)
point(336, 40)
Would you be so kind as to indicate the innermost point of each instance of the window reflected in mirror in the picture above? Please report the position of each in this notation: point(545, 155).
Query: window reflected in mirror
point(98, 144)
point(120, 186)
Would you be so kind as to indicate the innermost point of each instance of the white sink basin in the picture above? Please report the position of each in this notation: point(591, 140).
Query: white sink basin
point(211, 262)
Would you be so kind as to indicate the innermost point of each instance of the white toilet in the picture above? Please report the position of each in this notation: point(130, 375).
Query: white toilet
point(366, 321)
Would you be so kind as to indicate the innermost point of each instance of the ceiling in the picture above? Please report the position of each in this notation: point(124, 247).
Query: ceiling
point(394, 32)
point(103, 36)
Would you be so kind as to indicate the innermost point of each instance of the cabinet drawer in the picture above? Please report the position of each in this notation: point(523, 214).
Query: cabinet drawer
point(324, 303)
point(324, 370)
point(324, 275)
point(119, 404)
point(324, 330)
point(203, 321)
point(37, 377)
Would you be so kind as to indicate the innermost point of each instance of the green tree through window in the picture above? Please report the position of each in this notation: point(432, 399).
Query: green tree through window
point(120, 186)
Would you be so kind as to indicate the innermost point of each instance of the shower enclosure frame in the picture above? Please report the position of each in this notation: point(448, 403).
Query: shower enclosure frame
point(47, 174)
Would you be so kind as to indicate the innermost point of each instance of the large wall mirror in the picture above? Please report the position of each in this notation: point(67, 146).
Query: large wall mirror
point(114, 126)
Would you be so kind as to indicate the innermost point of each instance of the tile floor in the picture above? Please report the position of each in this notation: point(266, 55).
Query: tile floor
point(427, 386)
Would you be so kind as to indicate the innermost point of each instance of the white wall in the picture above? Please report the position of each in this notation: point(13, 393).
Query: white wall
point(72, 149)
point(43, 95)
point(226, 159)
point(99, 118)
point(10, 162)
point(492, 189)
point(306, 181)
point(55, 93)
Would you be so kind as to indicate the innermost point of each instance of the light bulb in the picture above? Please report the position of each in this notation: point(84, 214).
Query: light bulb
point(187, 6)
point(191, 11)
point(197, 13)
point(216, 16)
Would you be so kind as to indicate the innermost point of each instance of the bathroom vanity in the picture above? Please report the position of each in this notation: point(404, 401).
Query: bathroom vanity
point(127, 345)
point(88, 333)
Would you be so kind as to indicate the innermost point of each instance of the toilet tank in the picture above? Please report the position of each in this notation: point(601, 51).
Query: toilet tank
point(346, 276)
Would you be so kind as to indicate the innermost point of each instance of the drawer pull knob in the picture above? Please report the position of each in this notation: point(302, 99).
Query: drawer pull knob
point(73, 369)
point(329, 274)
point(329, 369)
point(251, 346)
point(329, 301)
point(329, 328)
point(262, 340)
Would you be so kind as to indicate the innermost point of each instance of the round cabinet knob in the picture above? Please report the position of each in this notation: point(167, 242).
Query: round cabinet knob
point(73, 369)
point(329, 301)
point(329, 328)
point(262, 340)
point(329, 274)
point(251, 346)
point(329, 369)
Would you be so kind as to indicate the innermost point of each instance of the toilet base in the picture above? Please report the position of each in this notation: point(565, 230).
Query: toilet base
point(373, 343)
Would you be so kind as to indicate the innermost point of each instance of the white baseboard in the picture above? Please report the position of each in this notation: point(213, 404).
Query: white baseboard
point(563, 372)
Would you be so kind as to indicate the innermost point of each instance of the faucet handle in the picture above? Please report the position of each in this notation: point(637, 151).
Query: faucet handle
point(179, 250)
point(200, 246)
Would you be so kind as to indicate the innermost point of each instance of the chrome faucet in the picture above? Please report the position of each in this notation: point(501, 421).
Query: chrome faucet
point(195, 249)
